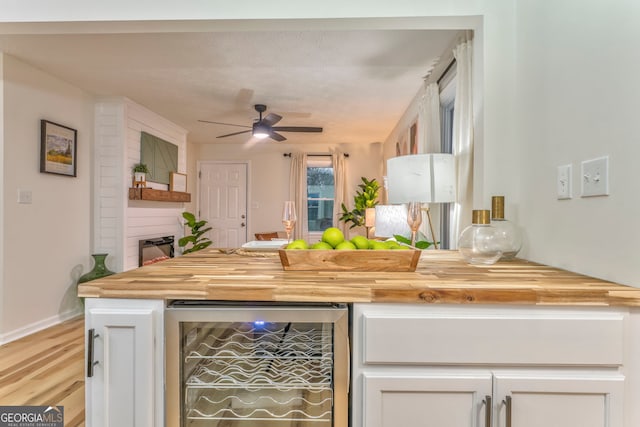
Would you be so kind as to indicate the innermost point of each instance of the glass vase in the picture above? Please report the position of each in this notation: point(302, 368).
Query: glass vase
point(508, 233)
point(480, 243)
point(99, 269)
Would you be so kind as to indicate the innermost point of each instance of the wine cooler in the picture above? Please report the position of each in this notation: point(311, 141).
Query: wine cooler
point(256, 365)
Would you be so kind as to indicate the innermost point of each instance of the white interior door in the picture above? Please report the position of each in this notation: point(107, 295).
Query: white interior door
point(223, 202)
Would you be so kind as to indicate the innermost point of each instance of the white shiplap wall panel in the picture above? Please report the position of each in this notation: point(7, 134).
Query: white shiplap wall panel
point(108, 204)
point(146, 219)
point(120, 223)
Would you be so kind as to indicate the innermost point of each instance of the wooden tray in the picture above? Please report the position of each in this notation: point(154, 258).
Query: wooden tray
point(349, 260)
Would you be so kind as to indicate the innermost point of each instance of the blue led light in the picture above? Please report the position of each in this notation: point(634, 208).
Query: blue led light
point(258, 323)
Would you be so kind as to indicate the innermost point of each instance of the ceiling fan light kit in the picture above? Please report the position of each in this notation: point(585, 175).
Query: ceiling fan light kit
point(260, 131)
point(263, 127)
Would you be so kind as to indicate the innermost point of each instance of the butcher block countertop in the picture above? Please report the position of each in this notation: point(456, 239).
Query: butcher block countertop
point(441, 277)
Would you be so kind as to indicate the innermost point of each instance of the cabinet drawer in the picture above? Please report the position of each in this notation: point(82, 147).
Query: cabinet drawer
point(418, 335)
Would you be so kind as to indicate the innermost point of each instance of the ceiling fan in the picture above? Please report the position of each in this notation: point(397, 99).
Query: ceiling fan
point(264, 127)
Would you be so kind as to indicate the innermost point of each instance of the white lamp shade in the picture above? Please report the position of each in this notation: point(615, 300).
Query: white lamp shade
point(428, 178)
point(391, 220)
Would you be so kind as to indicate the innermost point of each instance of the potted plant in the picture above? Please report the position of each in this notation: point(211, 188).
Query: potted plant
point(197, 241)
point(140, 171)
point(366, 197)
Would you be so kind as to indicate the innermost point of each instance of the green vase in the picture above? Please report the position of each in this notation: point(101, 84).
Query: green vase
point(99, 269)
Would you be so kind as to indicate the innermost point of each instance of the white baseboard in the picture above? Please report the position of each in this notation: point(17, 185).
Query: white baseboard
point(39, 325)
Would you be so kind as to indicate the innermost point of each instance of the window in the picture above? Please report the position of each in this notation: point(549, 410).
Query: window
point(447, 101)
point(320, 194)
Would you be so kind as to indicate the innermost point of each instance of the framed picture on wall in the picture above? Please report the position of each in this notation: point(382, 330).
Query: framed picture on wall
point(413, 139)
point(178, 182)
point(58, 146)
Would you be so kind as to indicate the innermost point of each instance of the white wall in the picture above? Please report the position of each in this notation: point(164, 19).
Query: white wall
point(46, 243)
point(578, 99)
point(2, 241)
point(269, 174)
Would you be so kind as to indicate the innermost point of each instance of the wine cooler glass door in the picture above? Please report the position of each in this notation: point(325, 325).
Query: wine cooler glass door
point(270, 370)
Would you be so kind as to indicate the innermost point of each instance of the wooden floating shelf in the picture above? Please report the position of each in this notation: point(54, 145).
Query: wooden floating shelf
point(158, 195)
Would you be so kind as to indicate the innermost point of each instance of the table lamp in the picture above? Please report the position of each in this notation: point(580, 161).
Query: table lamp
point(369, 220)
point(424, 178)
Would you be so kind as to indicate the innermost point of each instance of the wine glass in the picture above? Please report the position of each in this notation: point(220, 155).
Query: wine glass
point(414, 219)
point(289, 217)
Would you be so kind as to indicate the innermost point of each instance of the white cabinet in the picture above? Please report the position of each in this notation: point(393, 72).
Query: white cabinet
point(561, 400)
point(124, 342)
point(445, 366)
point(422, 399)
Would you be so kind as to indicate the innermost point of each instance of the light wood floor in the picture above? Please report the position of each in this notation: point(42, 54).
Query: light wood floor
point(46, 368)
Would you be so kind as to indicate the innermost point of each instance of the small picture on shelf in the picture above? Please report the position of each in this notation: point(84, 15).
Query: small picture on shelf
point(178, 182)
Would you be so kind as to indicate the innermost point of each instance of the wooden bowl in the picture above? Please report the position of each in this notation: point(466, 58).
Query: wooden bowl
point(349, 260)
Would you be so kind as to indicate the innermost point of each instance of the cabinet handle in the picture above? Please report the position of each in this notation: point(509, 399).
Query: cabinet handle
point(507, 404)
point(90, 351)
point(488, 410)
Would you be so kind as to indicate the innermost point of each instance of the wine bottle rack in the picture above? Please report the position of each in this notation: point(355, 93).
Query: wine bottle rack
point(245, 373)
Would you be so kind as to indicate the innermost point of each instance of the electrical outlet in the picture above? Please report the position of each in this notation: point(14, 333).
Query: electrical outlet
point(595, 177)
point(564, 182)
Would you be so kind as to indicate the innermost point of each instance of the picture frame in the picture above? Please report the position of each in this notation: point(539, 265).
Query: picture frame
point(58, 148)
point(413, 138)
point(178, 182)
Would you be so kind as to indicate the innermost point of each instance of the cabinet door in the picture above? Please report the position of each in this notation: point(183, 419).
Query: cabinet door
point(123, 387)
point(578, 400)
point(454, 400)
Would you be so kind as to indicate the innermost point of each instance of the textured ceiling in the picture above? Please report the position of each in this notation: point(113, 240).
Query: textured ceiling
point(354, 84)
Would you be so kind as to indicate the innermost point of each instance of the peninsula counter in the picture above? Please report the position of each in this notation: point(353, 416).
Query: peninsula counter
point(451, 343)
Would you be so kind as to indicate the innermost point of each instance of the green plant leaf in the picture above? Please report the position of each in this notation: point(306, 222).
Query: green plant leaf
point(423, 244)
point(197, 231)
point(364, 198)
point(402, 239)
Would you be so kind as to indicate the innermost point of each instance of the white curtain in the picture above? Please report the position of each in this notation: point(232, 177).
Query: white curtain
point(340, 187)
point(429, 120)
point(463, 141)
point(429, 131)
point(298, 193)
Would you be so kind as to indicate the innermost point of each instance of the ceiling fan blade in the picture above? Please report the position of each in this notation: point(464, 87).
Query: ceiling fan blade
point(226, 124)
point(277, 137)
point(235, 133)
point(297, 129)
point(271, 119)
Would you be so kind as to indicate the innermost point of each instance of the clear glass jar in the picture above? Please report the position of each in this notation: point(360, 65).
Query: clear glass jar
point(509, 233)
point(480, 243)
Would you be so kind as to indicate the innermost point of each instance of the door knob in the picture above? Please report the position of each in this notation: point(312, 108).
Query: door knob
point(242, 224)
point(242, 216)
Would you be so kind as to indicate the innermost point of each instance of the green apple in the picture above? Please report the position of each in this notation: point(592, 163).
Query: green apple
point(321, 245)
point(346, 245)
point(371, 242)
point(392, 244)
point(378, 245)
point(400, 248)
point(360, 242)
point(298, 244)
point(333, 236)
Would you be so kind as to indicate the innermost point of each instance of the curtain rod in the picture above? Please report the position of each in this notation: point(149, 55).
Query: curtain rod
point(314, 155)
point(446, 70)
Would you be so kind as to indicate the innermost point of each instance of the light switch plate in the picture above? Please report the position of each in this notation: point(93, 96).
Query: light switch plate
point(25, 197)
point(564, 182)
point(595, 177)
